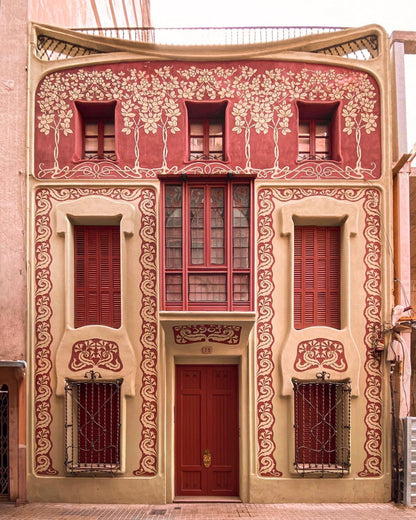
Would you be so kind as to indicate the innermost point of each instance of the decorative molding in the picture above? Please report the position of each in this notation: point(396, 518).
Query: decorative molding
point(370, 200)
point(214, 333)
point(95, 353)
point(44, 199)
point(320, 353)
point(265, 339)
point(149, 333)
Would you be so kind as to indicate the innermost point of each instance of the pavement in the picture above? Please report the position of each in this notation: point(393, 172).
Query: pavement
point(205, 511)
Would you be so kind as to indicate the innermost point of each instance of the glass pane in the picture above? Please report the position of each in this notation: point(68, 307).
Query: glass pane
point(215, 129)
point(109, 128)
point(91, 144)
point(241, 226)
point(217, 227)
point(322, 144)
point(173, 287)
point(207, 287)
point(241, 291)
point(91, 128)
point(196, 129)
point(304, 129)
point(215, 144)
point(304, 146)
point(173, 226)
point(109, 145)
point(197, 226)
point(196, 144)
point(322, 129)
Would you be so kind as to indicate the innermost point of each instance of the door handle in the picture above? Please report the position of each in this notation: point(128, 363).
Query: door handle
point(206, 458)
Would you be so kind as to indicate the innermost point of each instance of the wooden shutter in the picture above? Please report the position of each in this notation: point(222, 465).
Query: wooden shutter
point(317, 267)
point(97, 286)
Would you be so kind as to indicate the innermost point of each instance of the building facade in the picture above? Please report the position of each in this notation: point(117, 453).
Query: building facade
point(14, 36)
point(210, 269)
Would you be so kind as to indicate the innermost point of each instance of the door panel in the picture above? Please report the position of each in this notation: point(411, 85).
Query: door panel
point(206, 419)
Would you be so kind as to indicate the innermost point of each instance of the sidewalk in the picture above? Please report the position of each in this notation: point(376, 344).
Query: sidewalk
point(210, 511)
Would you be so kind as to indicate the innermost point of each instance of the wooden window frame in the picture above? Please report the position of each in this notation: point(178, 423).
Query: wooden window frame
point(206, 114)
point(99, 113)
point(97, 275)
point(232, 272)
point(313, 140)
point(314, 113)
point(317, 276)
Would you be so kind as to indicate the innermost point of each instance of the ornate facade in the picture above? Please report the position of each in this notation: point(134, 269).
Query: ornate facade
point(255, 346)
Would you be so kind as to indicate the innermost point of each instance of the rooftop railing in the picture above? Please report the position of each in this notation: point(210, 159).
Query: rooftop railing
point(363, 47)
point(207, 35)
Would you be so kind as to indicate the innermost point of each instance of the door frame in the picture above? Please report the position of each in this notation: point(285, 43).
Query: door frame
point(172, 359)
point(232, 439)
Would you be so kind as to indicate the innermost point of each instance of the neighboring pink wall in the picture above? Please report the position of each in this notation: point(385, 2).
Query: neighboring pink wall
point(13, 107)
point(87, 13)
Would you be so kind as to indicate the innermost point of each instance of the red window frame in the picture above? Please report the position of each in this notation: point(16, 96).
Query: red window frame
point(207, 282)
point(102, 142)
point(317, 270)
point(208, 152)
point(96, 131)
point(97, 279)
point(319, 144)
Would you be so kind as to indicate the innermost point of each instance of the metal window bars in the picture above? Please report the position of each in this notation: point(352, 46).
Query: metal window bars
point(92, 425)
point(322, 411)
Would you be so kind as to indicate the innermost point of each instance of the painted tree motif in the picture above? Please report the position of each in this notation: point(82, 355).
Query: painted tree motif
point(262, 103)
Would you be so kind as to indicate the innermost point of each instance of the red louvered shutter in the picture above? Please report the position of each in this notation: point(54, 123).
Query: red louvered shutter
point(97, 276)
point(317, 267)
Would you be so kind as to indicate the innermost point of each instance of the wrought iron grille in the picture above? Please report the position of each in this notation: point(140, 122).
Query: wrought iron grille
point(364, 48)
point(49, 49)
point(4, 442)
point(322, 426)
point(92, 425)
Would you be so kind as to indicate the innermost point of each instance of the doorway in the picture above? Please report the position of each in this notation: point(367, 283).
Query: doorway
point(206, 430)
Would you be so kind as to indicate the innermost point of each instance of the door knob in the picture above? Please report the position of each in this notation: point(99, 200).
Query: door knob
point(207, 458)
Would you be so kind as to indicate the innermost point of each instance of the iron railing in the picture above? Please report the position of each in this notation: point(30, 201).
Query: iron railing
point(206, 35)
point(50, 48)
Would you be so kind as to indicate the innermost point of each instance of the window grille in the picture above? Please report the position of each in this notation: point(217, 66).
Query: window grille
point(4, 442)
point(92, 426)
point(322, 426)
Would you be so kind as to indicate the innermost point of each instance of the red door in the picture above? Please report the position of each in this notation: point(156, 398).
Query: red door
point(206, 430)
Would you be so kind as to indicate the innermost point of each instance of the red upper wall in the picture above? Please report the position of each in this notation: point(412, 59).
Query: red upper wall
point(261, 123)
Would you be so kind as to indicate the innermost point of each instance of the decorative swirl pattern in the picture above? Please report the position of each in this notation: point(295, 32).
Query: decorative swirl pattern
point(264, 331)
point(226, 334)
point(370, 199)
point(320, 353)
point(148, 313)
point(43, 312)
point(43, 337)
point(95, 353)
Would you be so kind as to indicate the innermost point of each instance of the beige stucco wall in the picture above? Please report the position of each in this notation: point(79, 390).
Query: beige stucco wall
point(348, 210)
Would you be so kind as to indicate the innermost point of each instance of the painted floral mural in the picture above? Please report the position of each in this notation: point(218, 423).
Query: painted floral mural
point(262, 103)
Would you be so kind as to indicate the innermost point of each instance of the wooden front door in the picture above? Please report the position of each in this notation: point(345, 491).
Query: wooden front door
point(206, 430)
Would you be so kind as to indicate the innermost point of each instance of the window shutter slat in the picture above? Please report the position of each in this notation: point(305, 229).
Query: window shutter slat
point(317, 270)
point(97, 276)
